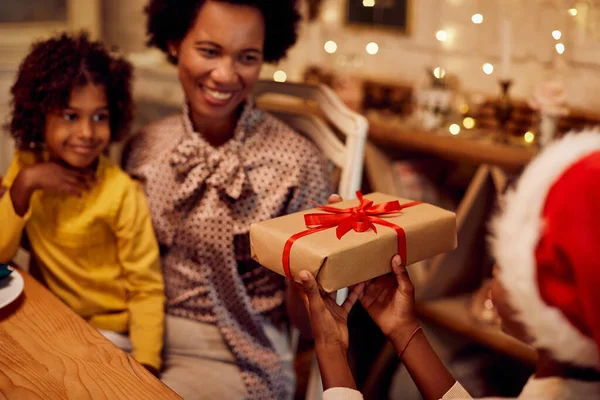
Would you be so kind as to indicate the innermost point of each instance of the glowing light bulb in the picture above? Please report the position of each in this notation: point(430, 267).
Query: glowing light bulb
point(469, 123)
point(560, 48)
point(529, 137)
point(439, 73)
point(556, 34)
point(488, 68)
point(372, 48)
point(279, 76)
point(573, 12)
point(330, 46)
point(454, 129)
point(369, 3)
point(477, 18)
point(441, 35)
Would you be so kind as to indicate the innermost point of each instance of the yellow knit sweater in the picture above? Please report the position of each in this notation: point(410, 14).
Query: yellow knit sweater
point(97, 253)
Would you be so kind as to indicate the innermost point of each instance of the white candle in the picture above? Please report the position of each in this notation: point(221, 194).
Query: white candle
point(506, 42)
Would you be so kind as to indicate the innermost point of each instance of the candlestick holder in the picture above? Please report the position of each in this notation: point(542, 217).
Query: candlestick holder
point(503, 111)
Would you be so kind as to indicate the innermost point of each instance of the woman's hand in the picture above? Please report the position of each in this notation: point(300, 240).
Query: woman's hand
point(49, 176)
point(328, 320)
point(390, 301)
point(334, 198)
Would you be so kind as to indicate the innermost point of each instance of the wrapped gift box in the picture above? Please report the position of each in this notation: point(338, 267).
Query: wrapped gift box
point(352, 241)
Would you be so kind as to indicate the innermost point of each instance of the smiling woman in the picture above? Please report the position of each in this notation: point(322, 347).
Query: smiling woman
point(218, 62)
point(209, 173)
point(219, 67)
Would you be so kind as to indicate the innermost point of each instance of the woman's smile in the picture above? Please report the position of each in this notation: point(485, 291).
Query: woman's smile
point(218, 67)
point(217, 97)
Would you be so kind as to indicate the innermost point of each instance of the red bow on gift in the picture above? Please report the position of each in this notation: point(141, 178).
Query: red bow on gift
point(361, 218)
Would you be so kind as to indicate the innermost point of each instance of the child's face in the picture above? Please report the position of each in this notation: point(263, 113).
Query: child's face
point(79, 133)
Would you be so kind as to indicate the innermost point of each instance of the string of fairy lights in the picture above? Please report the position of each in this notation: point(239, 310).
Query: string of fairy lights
point(443, 35)
point(488, 68)
point(331, 47)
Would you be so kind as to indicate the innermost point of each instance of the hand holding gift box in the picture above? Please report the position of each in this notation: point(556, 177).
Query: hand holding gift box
point(352, 241)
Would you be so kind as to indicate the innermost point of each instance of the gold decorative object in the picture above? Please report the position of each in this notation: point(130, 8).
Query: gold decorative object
point(503, 111)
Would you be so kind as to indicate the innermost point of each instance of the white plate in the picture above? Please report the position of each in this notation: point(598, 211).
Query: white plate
point(10, 288)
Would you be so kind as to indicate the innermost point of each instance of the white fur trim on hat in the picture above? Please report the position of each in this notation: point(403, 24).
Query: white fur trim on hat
point(516, 233)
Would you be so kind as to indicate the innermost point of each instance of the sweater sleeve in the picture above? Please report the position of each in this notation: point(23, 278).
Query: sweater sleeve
point(456, 392)
point(341, 393)
point(139, 257)
point(12, 224)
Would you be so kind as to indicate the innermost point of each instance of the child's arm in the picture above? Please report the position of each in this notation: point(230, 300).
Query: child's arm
point(296, 309)
point(139, 256)
point(330, 329)
point(389, 300)
point(48, 176)
point(12, 223)
point(23, 178)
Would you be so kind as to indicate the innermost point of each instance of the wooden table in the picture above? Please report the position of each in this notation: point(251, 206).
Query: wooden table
point(48, 352)
point(461, 148)
point(454, 148)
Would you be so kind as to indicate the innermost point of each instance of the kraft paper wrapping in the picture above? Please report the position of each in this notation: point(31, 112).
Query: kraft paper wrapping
point(357, 256)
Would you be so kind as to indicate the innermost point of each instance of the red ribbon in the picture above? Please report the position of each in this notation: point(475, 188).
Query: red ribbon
point(360, 219)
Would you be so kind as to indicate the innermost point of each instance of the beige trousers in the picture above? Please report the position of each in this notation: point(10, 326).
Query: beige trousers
point(121, 340)
point(199, 365)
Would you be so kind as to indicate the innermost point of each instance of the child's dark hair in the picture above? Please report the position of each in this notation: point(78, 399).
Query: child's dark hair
point(49, 73)
point(170, 20)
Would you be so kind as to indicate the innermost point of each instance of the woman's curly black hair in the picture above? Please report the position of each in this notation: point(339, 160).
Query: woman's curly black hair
point(47, 76)
point(170, 20)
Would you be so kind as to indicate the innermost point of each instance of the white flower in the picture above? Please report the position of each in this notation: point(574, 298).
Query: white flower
point(550, 99)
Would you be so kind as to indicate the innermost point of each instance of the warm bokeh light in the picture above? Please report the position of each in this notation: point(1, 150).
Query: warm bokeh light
point(369, 3)
point(441, 35)
point(469, 123)
point(464, 108)
point(330, 15)
point(358, 61)
point(560, 48)
point(454, 129)
point(439, 73)
point(529, 137)
point(372, 48)
point(556, 34)
point(488, 68)
point(573, 12)
point(279, 76)
point(330, 46)
point(477, 18)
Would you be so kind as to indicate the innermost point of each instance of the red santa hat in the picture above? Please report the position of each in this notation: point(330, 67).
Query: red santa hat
point(547, 245)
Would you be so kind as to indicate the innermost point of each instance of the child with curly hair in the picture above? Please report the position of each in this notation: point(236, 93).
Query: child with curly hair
point(87, 222)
